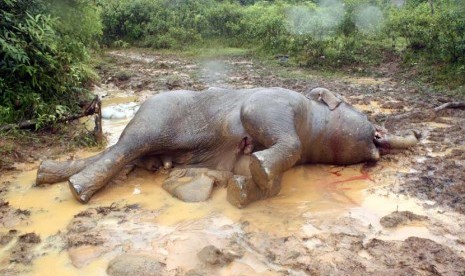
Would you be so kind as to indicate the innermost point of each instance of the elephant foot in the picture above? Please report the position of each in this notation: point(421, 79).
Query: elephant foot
point(84, 193)
point(77, 192)
point(243, 190)
point(261, 174)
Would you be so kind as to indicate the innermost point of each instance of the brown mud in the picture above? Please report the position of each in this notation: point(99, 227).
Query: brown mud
point(404, 215)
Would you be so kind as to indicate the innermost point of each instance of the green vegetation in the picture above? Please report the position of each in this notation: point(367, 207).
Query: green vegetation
point(45, 44)
point(427, 34)
point(43, 57)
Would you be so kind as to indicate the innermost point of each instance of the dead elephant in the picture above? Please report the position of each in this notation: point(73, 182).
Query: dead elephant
point(257, 134)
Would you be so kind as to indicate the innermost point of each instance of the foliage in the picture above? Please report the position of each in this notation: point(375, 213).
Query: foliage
point(42, 62)
point(435, 37)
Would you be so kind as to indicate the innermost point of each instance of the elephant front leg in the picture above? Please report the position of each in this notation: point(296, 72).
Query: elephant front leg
point(84, 184)
point(242, 191)
point(276, 131)
point(267, 166)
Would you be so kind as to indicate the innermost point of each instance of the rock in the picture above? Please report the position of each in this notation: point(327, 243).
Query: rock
point(194, 184)
point(190, 189)
point(140, 265)
point(397, 218)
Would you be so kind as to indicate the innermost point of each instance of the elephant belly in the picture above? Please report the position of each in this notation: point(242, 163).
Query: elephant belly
point(217, 149)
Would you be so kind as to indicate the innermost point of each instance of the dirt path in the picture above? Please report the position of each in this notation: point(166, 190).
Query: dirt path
point(403, 216)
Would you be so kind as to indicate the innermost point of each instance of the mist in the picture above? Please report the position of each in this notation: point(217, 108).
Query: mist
point(215, 72)
point(369, 19)
point(320, 21)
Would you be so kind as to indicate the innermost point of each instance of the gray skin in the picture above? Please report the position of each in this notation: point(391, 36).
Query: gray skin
point(272, 129)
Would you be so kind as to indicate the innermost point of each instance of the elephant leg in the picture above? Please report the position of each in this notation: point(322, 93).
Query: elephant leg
point(276, 131)
point(95, 176)
point(50, 171)
point(242, 191)
point(194, 184)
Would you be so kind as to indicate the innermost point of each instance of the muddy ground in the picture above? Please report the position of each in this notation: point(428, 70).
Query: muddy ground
point(422, 190)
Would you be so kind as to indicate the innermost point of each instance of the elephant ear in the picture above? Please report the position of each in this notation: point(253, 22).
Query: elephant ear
point(315, 93)
point(330, 99)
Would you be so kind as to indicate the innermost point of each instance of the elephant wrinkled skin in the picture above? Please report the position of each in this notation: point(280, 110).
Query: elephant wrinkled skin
point(255, 133)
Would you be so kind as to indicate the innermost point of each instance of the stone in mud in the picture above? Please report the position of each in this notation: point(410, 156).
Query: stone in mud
point(190, 189)
point(397, 218)
point(141, 265)
point(194, 184)
point(213, 256)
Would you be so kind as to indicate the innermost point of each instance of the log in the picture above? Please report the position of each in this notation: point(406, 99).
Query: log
point(460, 105)
point(93, 108)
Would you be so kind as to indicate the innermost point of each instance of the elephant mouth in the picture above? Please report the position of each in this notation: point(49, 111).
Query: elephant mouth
point(381, 142)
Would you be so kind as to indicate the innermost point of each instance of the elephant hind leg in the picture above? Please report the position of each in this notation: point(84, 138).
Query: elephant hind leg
point(50, 172)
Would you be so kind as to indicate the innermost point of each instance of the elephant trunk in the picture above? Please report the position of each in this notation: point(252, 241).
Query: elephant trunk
point(394, 142)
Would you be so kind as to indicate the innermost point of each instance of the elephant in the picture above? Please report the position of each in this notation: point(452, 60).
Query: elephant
point(249, 136)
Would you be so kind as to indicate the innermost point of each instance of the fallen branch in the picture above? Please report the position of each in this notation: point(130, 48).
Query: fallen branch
point(93, 108)
point(424, 115)
point(460, 105)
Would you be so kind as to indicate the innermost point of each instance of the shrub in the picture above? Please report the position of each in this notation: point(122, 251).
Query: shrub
point(41, 65)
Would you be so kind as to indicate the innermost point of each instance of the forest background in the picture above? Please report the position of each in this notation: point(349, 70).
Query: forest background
point(46, 45)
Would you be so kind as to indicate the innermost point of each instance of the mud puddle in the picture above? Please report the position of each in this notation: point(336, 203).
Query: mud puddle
point(142, 218)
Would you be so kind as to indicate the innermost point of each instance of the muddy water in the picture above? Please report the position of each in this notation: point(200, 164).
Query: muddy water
point(312, 197)
point(113, 127)
point(316, 189)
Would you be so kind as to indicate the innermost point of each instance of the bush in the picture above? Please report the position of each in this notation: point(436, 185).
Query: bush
point(435, 37)
point(42, 69)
